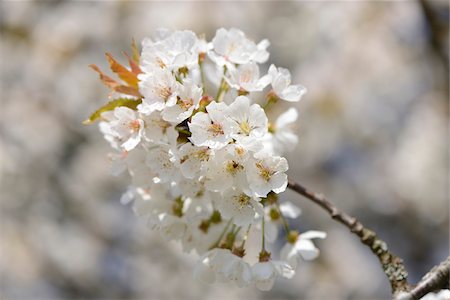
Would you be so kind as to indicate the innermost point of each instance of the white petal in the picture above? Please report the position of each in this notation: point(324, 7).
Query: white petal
point(313, 234)
point(290, 210)
point(293, 93)
point(265, 285)
point(270, 232)
point(132, 142)
point(283, 269)
point(279, 182)
point(307, 249)
point(288, 117)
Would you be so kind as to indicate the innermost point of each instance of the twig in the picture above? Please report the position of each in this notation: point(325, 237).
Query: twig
point(436, 278)
point(392, 265)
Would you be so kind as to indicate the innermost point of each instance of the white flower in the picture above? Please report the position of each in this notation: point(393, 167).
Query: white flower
point(127, 127)
point(280, 137)
point(281, 84)
point(246, 78)
point(266, 173)
point(222, 265)
point(162, 159)
point(236, 270)
point(250, 122)
point(239, 206)
point(265, 273)
point(227, 169)
point(160, 89)
point(192, 160)
point(171, 50)
point(108, 134)
point(188, 97)
point(158, 130)
point(261, 55)
point(233, 47)
point(302, 248)
point(209, 264)
point(211, 129)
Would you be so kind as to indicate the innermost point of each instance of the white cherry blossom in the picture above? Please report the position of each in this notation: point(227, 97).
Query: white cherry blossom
point(227, 169)
point(267, 173)
point(265, 273)
point(233, 47)
point(158, 130)
point(281, 84)
point(222, 265)
point(193, 159)
point(160, 89)
point(171, 50)
point(212, 129)
point(162, 159)
point(240, 207)
point(187, 100)
point(302, 248)
point(246, 78)
point(249, 122)
point(281, 138)
point(127, 127)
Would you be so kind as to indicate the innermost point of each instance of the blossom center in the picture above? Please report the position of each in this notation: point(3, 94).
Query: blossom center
point(164, 92)
point(264, 171)
point(233, 167)
point(160, 63)
point(246, 76)
point(239, 151)
point(134, 125)
point(185, 104)
point(242, 200)
point(202, 155)
point(245, 127)
point(215, 129)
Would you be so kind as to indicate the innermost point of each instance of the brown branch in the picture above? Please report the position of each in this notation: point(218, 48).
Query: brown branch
point(392, 265)
point(436, 278)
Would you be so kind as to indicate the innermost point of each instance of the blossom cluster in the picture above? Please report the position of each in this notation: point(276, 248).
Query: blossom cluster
point(189, 124)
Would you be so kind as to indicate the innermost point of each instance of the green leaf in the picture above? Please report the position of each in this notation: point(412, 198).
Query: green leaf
point(128, 102)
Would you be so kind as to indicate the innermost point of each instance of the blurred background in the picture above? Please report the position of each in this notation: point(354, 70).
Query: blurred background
point(373, 138)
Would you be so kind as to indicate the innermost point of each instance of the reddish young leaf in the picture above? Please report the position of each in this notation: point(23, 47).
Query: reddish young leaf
point(121, 71)
point(134, 66)
point(115, 86)
point(108, 81)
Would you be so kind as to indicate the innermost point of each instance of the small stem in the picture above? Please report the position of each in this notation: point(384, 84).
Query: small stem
point(246, 236)
point(271, 98)
point(221, 235)
point(237, 230)
point(283, 219)
point(202, 74)
point(263, 241)
point(222, 86)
